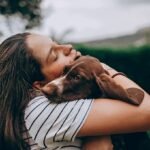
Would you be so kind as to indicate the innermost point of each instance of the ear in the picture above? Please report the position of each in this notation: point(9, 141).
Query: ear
point(113, 90)
point(41, 86)
point(38, 85)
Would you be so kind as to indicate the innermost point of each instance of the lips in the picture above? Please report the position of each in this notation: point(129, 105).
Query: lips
point(75, 54)
point(78, 54)
point(77, 57)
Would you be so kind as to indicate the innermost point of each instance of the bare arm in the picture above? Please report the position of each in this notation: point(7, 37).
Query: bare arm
point(113, 116)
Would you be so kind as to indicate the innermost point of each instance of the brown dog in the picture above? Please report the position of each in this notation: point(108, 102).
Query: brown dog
point(86, 78)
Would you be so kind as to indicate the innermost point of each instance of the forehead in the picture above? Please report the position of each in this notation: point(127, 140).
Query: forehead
point(39, 45)
point(35, 41)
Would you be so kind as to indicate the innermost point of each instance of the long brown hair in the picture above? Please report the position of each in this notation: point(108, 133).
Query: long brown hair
point(18, 70)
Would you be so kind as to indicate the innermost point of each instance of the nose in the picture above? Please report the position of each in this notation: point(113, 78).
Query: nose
point(65, 48)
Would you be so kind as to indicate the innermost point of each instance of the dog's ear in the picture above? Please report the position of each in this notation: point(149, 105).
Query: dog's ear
point(67, 68)
point(113, 90)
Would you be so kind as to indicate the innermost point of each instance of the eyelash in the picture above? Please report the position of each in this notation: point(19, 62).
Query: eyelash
point(55, 56)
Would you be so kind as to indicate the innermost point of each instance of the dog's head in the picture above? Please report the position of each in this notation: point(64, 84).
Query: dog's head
point(86, 78)
point(77, 82)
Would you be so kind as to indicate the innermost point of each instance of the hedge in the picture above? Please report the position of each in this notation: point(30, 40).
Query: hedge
point(133, 61)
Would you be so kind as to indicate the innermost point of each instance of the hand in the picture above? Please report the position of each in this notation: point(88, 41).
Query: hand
point(98, 143)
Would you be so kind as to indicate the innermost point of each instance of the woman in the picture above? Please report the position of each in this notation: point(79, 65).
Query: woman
point(29, 60)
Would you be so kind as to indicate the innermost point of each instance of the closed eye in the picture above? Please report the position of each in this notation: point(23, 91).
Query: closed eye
point(77, 77)
point(55, 57)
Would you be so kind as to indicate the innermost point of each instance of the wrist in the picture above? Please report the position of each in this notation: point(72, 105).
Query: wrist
point(118, 73)
point(110, 70)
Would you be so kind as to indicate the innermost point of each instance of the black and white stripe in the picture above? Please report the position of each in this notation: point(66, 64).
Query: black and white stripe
point(54, 138)
point(55, 126)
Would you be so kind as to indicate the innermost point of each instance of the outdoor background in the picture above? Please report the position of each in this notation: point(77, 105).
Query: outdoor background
point(115, 31)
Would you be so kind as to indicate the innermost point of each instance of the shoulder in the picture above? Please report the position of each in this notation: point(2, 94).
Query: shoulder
point(42, 106)
point(56, 122)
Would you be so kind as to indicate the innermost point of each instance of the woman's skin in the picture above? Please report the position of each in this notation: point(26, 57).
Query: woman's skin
point(106, 116)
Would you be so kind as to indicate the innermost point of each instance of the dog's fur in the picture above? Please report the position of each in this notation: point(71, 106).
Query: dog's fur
point(86, 78)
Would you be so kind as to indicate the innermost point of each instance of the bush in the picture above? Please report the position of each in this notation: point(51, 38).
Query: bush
point(133, 61)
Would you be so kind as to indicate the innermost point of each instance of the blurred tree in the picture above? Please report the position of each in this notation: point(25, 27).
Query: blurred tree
point(29, 10)
point(61, 36)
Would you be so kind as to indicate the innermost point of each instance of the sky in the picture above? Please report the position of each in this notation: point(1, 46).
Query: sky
point(94, 19)
point(86, 20)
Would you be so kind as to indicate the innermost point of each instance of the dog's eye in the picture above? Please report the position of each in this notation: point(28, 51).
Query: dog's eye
point(76, 77)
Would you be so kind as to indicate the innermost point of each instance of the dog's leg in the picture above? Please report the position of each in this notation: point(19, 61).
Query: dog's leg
point(116, 91)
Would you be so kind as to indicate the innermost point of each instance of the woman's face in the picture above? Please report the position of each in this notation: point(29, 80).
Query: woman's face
point(53, 57)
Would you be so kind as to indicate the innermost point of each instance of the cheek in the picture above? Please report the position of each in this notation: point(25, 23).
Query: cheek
point(63, 61)
point(56, 71)
point(51, 73)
